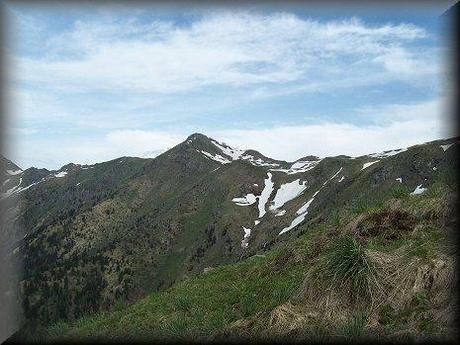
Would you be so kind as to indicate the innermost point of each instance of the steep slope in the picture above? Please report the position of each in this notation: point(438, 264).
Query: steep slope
point(379, 272)
point(93, 236)
point(89, 236)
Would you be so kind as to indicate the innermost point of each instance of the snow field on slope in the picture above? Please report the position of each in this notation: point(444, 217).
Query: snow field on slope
point(368, 164)
point(267, 191)
point(286, 192)
point(303, 211)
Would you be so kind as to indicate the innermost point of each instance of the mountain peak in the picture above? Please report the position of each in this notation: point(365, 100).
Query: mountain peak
point(9, 166)
point(196, 136)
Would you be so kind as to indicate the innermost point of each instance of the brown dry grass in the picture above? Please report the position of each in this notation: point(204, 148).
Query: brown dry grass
point(397, 280)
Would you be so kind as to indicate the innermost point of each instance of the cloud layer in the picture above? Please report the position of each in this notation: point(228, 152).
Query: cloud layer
point(400, 126)
point(230, 49)
point(105, 86)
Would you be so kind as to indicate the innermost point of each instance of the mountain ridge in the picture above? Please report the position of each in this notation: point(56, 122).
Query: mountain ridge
point(209, 139)
point(116, 230)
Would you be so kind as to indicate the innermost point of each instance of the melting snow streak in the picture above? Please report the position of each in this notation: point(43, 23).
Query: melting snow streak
point(368, 164)
point(247, 234)
point(303, 211)
point(263, 198)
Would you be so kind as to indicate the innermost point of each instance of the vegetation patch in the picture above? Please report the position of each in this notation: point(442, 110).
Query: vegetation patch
point(389, 224)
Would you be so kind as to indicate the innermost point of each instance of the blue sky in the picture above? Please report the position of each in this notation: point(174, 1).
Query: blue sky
point(92, 83)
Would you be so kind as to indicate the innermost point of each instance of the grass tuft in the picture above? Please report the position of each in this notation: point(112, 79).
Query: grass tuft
point(346, 264)
point(399, 191)
point(355, 328)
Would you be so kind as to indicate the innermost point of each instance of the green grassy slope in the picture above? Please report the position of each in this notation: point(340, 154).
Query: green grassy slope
point(384, 272)
point(114, 231)
point(108, 235)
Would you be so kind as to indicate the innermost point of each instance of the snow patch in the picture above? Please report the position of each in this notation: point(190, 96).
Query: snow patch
point(301, 214)
point(18, 189)
point(297, 220)
point(12, 190)
point(333, 176)
point(216, 157)
point(280, 213)
point(263, 198)
point(250, 198)
point(305, 207)
point(246, 200)
point(237, 154)
point(287, 192)
point(14, 172)
point(256, 222)
point(386, 154)
point(247, 234)
point(258, 161)
point(303, 211)
point(368, 164)
point(61, 174)
point(227, 150)
point(299, 167)
point(445, 147)
point(418, 190)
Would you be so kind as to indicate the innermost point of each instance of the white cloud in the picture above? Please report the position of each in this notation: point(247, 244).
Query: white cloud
point(23, 131)
point(137, 142)
point(234, 58)
point(51, 154)
point(222, 48)
point(394, 126)
point(36, 104)
point(436, 108)
point(330, 139)
point(404, 64)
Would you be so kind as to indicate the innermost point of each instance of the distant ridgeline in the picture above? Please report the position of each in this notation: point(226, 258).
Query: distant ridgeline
point(99, 237)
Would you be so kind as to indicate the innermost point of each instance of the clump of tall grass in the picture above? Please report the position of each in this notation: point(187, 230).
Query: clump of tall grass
point(182, 303)
point(361, 205)
point(367, 204)
point(346, 266)
point(355, 328)
point(399, 191)
point(336, 218)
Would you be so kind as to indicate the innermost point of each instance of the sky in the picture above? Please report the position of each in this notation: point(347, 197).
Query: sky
point(90, 83)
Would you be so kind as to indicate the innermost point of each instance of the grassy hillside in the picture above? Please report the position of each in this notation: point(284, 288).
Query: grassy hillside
point(384, 271)
point(109, 233)
point(94, 238)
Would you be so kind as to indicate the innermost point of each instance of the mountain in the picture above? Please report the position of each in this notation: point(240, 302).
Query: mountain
point(93, 237)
